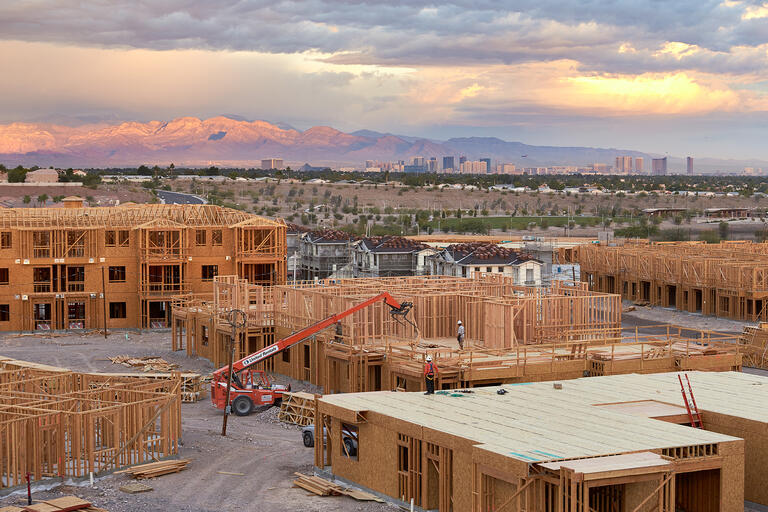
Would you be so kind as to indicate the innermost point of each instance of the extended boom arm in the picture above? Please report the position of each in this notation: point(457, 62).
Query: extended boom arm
point(396, 310)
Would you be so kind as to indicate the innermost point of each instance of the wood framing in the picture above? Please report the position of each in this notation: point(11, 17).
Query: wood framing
point(57, 423)
point(541, 448)
point(729, 279)
point(82, 268)
point(514, 334)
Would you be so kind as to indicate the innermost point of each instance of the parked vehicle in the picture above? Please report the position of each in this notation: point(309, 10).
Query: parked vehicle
point(349, 438)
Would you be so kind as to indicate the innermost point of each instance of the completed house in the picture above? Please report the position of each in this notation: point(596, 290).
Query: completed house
point(466, 260)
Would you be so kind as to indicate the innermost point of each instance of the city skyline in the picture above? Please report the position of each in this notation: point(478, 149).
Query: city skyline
point(684, 77)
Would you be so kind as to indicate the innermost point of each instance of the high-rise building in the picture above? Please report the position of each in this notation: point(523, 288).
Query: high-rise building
point(474, 167)
point(639, 164)
point(689, 165)
point(659, 166)
point(272, 163)
point(462, 159)
point(449, 162)
point(623, 164)
point(508, 168)
point(628, 164)
point(487, 164)
point(419, 161)
point(432, 164)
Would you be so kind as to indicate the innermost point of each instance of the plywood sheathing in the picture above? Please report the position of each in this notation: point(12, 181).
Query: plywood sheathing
point(510, 435)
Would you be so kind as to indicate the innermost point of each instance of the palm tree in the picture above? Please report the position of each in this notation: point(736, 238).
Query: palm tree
point(42, 198)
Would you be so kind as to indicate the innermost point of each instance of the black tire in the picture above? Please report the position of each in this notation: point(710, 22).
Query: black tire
point(350, 447)
point(309, 439)
point(242, 406)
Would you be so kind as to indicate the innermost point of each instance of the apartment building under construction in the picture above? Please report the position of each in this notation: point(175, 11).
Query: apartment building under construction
point(84, 268)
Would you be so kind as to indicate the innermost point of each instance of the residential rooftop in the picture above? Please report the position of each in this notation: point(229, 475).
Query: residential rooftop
point(537, 423)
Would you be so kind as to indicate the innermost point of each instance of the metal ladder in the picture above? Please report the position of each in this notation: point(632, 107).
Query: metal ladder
point(690, 403)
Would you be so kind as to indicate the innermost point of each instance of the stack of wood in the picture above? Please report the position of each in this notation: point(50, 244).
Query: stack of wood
point(156, 469)
point(63, 504)
point(147, 363)
point(297, 408)
point(323, 487)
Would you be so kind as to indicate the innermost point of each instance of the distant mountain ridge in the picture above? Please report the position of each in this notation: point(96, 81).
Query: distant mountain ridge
point(233, 140)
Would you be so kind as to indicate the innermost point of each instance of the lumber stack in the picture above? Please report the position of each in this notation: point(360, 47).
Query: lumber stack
point(156, 469)
point(297, 409)
point(63, 504)
point(322, 487)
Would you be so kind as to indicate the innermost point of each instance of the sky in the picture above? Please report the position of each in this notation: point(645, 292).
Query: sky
point(679, 77)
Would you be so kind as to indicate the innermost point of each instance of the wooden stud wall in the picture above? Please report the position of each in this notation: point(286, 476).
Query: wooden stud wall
point(515, 335)
point(729, 279)
point(55, 423)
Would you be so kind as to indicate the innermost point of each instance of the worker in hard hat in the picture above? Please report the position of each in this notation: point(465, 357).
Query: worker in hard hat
point(460, 335)
point(430, 375)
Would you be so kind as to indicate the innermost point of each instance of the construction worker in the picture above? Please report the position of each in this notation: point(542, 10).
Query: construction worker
point(430, 374)
point(460, 336)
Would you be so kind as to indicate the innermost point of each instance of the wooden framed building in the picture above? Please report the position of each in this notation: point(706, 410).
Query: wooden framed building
point(120, 267)
point(603, 444)
point(729, 279)
point(514, 333)
point(55, 423)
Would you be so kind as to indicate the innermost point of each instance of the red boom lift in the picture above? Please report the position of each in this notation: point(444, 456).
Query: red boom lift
point(252, 388)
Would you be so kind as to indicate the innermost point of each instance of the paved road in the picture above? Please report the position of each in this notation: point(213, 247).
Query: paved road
point(179, 198)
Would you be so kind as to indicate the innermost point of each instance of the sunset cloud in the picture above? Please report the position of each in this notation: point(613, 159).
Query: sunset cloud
point(415, 65)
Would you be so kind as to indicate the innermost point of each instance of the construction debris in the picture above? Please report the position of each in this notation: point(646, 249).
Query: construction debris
point(155, 469)
point(322, 487)
point(147, 363)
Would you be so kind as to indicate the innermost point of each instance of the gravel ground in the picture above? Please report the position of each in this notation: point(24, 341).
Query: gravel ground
point(267, 451)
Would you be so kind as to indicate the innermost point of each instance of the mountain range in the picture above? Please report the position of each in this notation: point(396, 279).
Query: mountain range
point(234, 141)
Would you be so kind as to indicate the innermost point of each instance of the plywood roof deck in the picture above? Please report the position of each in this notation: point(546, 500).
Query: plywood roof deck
point(537, 423)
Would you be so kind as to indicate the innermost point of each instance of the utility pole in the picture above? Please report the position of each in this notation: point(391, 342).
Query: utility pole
point(237, 319)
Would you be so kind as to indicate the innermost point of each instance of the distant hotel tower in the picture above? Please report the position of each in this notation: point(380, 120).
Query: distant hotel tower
point(689, 165)
point(449, 162)
point(659, 166)
point(639, 164)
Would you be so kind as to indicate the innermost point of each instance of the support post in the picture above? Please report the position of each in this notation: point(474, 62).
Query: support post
point(236, 318)
point(104, 301)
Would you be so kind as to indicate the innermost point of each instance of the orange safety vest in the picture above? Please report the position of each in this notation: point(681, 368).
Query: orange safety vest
point(430, 370)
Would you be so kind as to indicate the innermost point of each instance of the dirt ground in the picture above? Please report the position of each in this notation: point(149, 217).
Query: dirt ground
point(267, 451)
point(643, 316)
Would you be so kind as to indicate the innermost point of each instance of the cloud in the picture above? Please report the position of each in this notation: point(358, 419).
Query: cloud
point(418, 33)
